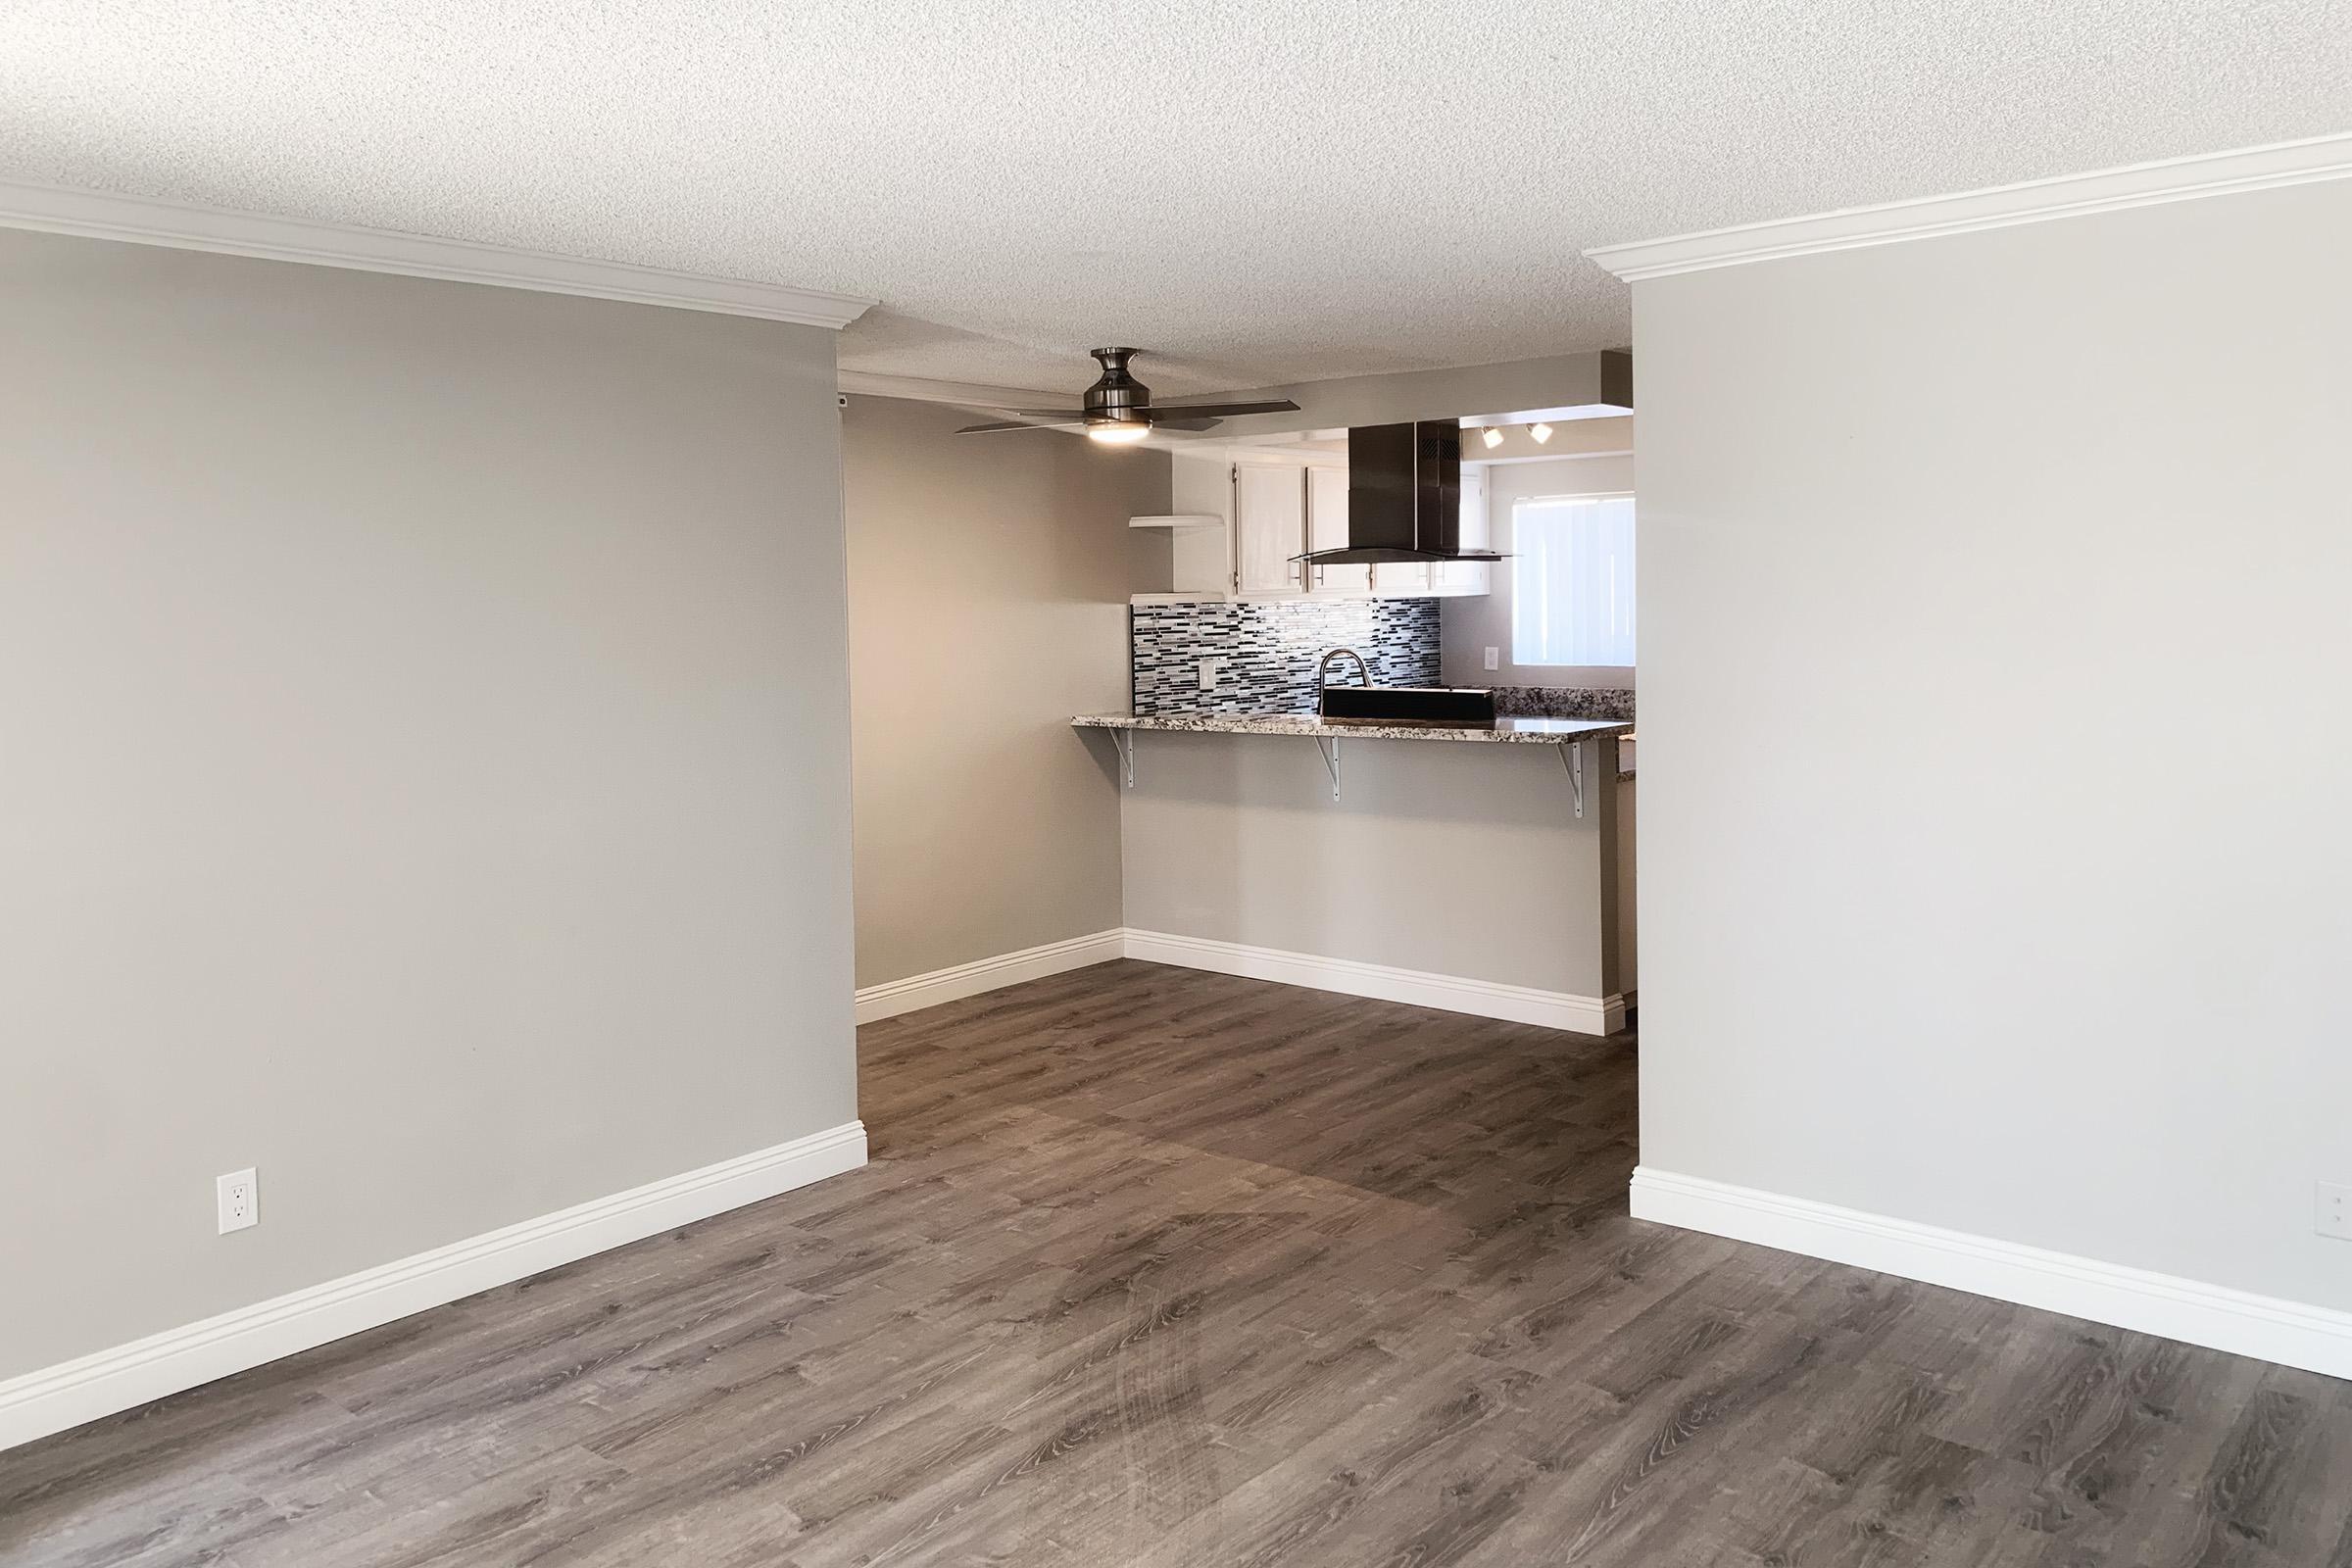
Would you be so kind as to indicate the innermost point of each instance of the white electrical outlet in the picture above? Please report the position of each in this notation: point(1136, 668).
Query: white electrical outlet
point(240, 1195)
point(1208, 674)
point(2335, 1210)
point(1493, 658)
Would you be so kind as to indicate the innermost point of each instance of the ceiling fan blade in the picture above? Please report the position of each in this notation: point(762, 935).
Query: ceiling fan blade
point(1059, 416)
point(1158, 424)
point(1218, 410)
point(1021, 425)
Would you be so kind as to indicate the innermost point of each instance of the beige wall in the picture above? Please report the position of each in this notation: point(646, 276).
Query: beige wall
point(1995, 660)
point(1455, 858)
point(988, 578)
point(423, 767)
point(1471, 625)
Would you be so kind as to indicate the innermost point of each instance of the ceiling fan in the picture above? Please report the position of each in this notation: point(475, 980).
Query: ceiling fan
point(1119, 409)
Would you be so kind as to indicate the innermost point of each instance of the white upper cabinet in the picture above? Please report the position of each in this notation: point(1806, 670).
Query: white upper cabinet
point(1468, 576)
point(1269, 507)
point(1242, 521)
point(1459, 576)
point(1327, 529)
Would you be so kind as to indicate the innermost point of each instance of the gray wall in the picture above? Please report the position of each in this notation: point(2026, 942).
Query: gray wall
point(1471, 625)
point(988, 578)
point(1625, 911)
point(1454, 858)
point(1996, 617)
point(423, 766)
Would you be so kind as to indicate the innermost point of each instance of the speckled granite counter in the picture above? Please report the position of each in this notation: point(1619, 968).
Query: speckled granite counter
point(1563, 702)
point(1524, 731)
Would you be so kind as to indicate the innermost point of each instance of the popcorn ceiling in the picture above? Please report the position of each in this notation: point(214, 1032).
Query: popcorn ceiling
point(1263, 192)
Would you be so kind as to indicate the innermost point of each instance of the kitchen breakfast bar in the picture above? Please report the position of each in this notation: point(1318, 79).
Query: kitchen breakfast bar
point(1483, 867)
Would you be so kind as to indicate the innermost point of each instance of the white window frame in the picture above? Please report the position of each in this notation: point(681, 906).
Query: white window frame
point(1519, 553)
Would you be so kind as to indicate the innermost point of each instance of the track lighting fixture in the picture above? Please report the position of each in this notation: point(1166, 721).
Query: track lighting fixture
point(1541, 431)
point(1491, 435)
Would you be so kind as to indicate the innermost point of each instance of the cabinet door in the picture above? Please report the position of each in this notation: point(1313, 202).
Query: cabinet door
point(1401, 579)
point(1467, 576)
point(1459, 577)
point(1475, 533)
point(1269, 527)
point(1327, 529)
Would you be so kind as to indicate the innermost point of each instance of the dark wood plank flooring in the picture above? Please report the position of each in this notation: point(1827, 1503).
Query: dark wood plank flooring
point(1163, 1268)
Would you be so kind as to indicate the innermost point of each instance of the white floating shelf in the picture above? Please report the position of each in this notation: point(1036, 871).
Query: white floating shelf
point(1182, 519)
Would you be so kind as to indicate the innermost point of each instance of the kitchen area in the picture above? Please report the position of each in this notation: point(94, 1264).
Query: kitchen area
point(1338, 768)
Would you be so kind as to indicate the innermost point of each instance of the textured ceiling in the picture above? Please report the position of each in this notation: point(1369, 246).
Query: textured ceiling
point(1264, 191)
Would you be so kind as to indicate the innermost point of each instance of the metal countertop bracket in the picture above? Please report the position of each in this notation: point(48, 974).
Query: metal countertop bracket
point(1330, 748)
point(1125, 739)
point(1572, 757)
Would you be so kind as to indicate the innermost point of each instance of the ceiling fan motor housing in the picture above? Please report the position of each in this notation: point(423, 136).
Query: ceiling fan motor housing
point(1118, 409)
point(1116, 397)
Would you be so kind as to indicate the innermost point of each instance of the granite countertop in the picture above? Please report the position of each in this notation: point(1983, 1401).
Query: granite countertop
point(1563, 702)
point(1523, 731)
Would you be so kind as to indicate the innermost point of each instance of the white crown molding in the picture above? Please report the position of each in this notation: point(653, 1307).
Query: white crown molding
point(2291, 163)
point(962, 394)
point(181, 225)
point(67, 1394)
point(958, 981)
point(2317, 1339)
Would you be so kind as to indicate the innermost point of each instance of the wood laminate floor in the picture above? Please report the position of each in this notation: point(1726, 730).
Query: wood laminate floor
point(1163, 1268)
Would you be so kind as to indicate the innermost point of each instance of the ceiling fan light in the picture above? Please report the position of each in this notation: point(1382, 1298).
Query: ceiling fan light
point(1541, 431)
point(1117, 436)
point(1491, 435)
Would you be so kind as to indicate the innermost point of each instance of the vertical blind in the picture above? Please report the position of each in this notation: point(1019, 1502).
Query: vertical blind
point(1572, 581)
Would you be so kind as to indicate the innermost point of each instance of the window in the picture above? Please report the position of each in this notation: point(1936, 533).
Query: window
point(1572, 580)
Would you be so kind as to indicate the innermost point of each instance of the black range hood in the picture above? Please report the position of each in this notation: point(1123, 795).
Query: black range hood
point(1404, 495)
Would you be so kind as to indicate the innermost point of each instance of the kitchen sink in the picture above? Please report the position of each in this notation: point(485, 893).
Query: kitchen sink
point(1409, 705)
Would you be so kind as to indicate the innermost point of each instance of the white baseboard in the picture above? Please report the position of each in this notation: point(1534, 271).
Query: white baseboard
point(2315, 1339)
point(38, 1403)
point(894, 996)
point(1485, 999)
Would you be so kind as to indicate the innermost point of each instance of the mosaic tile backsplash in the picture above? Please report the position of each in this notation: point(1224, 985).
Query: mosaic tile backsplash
point(1269, 651)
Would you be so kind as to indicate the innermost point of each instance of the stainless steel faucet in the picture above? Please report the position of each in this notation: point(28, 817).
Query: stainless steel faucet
point(1324, 668)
